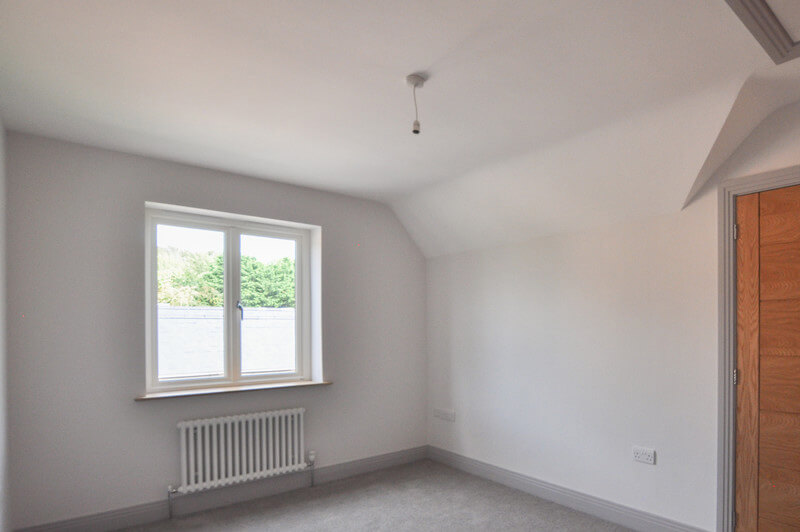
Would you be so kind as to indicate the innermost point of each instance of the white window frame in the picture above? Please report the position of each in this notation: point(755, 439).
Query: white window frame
point(233, 225)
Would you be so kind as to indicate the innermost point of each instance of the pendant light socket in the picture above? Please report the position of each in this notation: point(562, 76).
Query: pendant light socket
point(416, 80)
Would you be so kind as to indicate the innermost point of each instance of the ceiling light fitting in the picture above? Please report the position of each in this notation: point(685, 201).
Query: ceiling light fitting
point(415, 80)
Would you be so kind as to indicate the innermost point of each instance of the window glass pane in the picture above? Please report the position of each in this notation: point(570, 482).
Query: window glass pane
point(268, 297)
point(191, 337)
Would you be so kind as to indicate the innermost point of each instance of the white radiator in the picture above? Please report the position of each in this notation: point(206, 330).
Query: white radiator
point(226, 450)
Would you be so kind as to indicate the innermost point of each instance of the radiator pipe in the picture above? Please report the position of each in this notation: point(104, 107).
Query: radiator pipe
point(170, 492)
point(312, 461)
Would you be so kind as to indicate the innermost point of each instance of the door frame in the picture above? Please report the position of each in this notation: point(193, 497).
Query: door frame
point(726, 440)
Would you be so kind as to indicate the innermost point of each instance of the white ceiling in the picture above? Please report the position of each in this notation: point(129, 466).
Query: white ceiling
point(539, 116)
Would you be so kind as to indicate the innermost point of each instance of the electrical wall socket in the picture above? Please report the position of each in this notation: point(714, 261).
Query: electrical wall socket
point(445, 414)
point(644, 455)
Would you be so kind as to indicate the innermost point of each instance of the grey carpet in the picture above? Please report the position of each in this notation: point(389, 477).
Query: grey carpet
point(421, 496)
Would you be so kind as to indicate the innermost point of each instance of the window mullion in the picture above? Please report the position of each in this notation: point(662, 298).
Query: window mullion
point(232, 297)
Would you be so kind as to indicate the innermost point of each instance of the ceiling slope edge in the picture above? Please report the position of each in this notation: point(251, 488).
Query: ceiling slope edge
point(759, 97)
point(773, 145)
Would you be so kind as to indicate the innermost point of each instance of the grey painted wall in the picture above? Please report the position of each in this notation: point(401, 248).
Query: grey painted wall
point(80, 444)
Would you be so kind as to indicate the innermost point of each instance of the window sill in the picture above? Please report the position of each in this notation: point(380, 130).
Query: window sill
point(229, 389)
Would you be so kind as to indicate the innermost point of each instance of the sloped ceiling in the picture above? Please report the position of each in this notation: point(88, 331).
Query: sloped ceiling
point(539, 117)
point(761, 95)
point(773, 145)
point(636, 167)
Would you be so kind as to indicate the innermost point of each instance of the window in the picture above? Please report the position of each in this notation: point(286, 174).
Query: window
point(229, 301)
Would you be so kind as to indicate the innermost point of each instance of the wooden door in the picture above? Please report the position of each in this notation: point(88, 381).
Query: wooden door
point(768, 361)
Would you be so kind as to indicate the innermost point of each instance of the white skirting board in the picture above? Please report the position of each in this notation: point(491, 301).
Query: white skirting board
point(187, 504)
point(607, 510)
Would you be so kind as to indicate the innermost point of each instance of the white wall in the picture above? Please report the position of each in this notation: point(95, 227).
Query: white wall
point(561, 353)
point(80, 444)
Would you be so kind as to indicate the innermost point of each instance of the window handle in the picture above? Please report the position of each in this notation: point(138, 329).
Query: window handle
point(241, 308)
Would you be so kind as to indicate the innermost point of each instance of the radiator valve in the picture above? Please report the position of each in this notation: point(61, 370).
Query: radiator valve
point(312, 457)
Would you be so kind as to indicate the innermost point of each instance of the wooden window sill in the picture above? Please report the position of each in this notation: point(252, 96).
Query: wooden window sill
point(229, 389)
